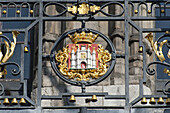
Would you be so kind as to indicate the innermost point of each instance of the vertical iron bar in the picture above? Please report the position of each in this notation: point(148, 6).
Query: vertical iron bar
point(141, 88)
point(126, 58)
point(83, 110)
point(40, 54)
point(22, 71)
point(22, 63)
point(144, 63)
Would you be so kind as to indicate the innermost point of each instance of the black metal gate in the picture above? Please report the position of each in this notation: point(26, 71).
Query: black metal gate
point(36, 16)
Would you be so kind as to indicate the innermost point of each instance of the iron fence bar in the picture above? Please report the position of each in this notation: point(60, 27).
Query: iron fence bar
point(140, 88)
point(16, 107)
point(22, 65)
point(83, 18)
point(27, 30)
point(66, 1)
point(40, 54)
point(10, 30)
point(144, 58)
point(115, 97)
point(144, 18)
point(152, 106)
point(155, 96)
point(134, 25)
point(155, 29)
point(136, 100)
point(97, 94)
point(32, 25)
point(148, 0)
point(30, 101)
point(18, 18)
point(78, 107)
point(126, 57)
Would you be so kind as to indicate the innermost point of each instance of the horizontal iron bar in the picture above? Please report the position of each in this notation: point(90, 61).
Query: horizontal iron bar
point(78, 107)
point(152, 106)
point(51, 97)
point(10, 97)
point(69, 94)
point(155, 96)
point(155, 29)
point(148, 0)
point(85, 94)
point(18, 18)
point(16, 107)
point(83, 18)
point(120, 56)
point(76, 1)
point(144, 18)
point(65, 1)
point(106, 96)
point(115, 97)
point(10, 30)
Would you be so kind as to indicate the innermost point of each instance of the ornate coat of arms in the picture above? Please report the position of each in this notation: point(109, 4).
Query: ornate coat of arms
point(83, 60)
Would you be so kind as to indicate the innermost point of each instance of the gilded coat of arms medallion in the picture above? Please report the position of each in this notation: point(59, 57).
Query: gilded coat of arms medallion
point(83, 60)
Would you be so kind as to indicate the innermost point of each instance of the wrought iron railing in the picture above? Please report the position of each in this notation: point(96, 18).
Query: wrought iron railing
point(85, 11)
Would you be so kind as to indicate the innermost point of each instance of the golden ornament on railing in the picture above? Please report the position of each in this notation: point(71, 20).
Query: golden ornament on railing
point(31, 11)
point(152, 101)
point(143, 101)
point(154, 46)
point(160, 101)
point(167, 32)
point(18, 11)
point(167, 71)
point(4, 12)
point(162, 11)
point(1, 33)
point(9, 52)
point(26, 49)
point(83, 9)
point(72, 98)
point(136, 11)
point(6, 101)
point(168, 101)
point(149, 11)
point(14, 101)
point(140, 49)
point(94, 98)
point(22, 101)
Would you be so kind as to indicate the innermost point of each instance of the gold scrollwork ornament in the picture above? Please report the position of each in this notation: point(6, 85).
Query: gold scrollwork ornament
point(9, 52)
point(154, 46)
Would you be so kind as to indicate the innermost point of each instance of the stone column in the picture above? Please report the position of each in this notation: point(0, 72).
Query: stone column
point(116, 34)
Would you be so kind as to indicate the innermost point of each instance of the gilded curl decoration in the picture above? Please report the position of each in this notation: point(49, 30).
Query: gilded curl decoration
point(8, 52)
point(154, 46)
point(83, 74)
point(157, 48)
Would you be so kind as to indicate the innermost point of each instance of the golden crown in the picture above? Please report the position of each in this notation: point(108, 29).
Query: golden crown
point(83, 37)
